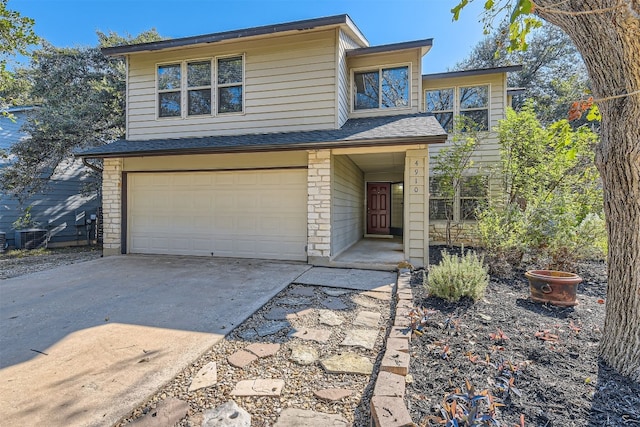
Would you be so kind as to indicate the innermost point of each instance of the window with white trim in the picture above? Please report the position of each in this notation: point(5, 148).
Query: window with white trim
point(468, 101)
point(469, 196)
point(382, 88)
point(191, 88)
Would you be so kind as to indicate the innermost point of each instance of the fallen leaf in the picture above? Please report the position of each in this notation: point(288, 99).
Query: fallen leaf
point(600, 301)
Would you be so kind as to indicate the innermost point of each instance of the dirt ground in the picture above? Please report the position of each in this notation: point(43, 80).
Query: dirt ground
point(16, 263)
point(537, 360)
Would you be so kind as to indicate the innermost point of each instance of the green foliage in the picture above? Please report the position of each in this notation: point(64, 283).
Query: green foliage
point(81, 97)
point(551, 187)
point(451, 162)
point(25, 220)
point(456, 277)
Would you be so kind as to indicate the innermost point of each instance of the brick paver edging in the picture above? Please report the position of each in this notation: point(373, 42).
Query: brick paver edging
point(387, 404)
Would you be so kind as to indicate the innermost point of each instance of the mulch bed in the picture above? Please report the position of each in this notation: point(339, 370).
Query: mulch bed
point(550, 353)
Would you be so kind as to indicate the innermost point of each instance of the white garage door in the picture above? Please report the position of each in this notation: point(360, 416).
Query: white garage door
point(246, 214)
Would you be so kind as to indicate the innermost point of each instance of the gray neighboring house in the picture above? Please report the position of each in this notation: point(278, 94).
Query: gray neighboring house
point(62, 209)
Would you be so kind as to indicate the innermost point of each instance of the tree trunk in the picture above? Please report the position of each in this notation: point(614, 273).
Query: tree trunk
point(608, 37)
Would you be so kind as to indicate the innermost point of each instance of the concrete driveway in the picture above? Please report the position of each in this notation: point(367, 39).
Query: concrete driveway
point(83, 344)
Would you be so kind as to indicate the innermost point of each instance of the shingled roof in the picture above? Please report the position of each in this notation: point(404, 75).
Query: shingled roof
point(370, 131)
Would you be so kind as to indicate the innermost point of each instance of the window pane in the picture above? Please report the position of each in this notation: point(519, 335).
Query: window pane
point(199, 74)
point(479, 117)
point(436, 185)
point(230, 99)
point(395, 87)
point(367, 85)
point(169, 77)
point(469, 208)
point(446, 120)
point(473, 186)
point(230, 70)
point(440, 209)
point(169, 104)
point(440, 100)
point(474, 97)
point(199, 102)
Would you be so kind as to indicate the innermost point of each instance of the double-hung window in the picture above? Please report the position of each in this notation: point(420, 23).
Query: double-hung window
point(382, 88)
point(201, 88)
point(468, 101)
point(461, 204)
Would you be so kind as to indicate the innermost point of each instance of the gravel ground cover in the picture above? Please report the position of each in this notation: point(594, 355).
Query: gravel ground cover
point(549, 353)
point(16, 263)
point(300, 381)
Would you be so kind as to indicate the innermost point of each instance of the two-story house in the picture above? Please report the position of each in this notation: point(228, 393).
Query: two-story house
point(293, 141)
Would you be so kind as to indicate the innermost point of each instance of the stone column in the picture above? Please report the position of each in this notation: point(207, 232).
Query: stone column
point(319, 206)
point(416, 202)
point(111, 206)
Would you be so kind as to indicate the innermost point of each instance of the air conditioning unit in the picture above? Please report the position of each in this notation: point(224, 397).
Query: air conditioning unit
point(32, 238)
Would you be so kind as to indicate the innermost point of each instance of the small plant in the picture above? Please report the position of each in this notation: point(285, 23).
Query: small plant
point(419, 317)
point(469, 409)
point(499, 335)
point(25, 221)
point(456, 277)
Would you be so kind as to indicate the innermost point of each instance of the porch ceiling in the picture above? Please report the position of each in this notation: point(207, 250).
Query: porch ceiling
point(379, 162)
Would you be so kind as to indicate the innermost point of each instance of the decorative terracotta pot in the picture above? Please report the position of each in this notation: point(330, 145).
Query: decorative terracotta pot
point(554, 287)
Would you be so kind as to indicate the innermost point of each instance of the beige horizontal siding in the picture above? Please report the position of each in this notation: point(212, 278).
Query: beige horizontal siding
point(290, 85)
point(347, 204)
point(344, 105)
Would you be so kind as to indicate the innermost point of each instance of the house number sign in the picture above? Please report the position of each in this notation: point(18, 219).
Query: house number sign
point(416, 171)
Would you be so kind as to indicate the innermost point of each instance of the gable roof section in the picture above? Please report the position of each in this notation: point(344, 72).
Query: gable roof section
point(370, 131)
point(469, 73)
point(305, 25)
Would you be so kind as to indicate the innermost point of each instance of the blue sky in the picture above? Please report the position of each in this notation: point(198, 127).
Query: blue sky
point(74, 22)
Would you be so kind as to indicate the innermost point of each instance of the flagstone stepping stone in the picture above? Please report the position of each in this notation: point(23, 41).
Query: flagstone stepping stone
point(333, 292)
point(348, 363)
point(333, 303)
point(333, 394)
point(305, 291)
point(291, 417)
point(364, 301)
point(383, 296)
point(166, 413)
point(294, 301)
point(304, 355)
point(248, 334)
point(241, 358)
point(206, 377)
point(270, 328)
point(278, 313)
point(318, 335)
point(328, 317)
point(365, 338)
point(367, 319)
point(263, 349)
point(258, 387)
point(226, 415)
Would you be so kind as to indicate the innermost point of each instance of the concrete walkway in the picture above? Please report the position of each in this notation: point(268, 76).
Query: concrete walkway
point(83, 344)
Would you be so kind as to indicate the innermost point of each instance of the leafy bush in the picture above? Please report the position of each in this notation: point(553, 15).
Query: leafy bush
point(456, 277)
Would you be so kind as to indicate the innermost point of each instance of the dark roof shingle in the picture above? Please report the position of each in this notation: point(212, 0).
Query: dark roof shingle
point(403, 129)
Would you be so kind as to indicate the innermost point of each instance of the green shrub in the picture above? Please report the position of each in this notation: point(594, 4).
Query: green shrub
point(456, 277)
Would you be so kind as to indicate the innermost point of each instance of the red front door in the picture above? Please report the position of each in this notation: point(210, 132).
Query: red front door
point(378, 207)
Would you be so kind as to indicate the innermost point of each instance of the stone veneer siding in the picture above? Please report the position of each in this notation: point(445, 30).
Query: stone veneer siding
point(111, 206)
point(319, 204)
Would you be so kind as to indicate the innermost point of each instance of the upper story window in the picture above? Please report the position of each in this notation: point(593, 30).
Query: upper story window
point(192, 88)
point(381, 88)
point(469, 101)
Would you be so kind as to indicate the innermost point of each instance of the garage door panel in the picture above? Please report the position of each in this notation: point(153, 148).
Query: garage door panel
point(252, 214)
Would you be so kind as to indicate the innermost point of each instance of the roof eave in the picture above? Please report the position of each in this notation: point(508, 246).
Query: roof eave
point(474, 72)
point(343, 21)
point(431, 139)
point(424, 46)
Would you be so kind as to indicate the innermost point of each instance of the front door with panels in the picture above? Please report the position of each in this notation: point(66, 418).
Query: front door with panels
point(378, 208)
